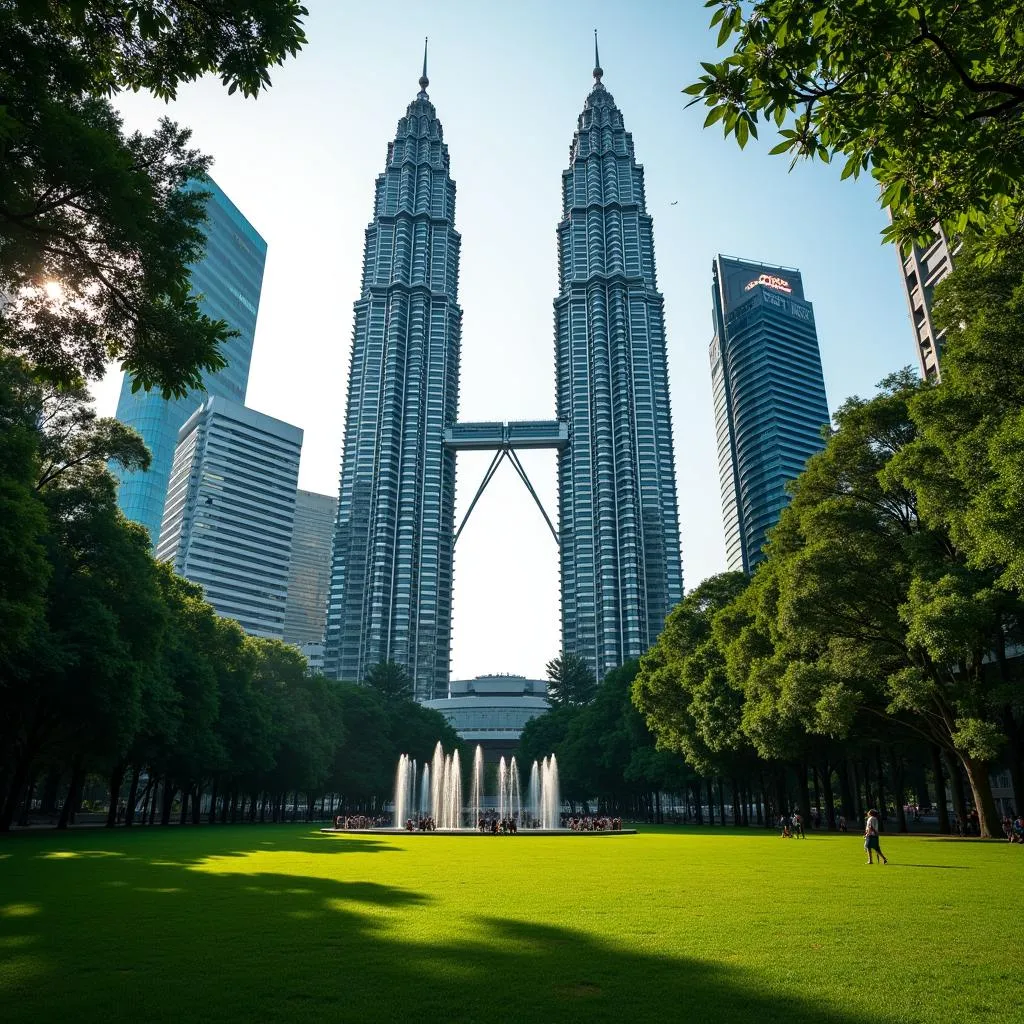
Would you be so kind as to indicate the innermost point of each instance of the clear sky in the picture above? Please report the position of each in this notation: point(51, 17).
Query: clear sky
point(509, 81)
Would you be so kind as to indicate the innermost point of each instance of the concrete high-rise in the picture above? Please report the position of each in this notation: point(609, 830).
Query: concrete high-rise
point(618, 518)
point(922, 270)
point(391, 575)
point(310, 573)
point(228, 281)
point(769, 396)
point(227, 524)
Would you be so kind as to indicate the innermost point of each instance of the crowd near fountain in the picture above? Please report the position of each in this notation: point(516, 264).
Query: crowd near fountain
point(432, 792)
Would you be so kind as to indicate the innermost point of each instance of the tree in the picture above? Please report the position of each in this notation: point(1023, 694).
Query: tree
point(25, 569)
point(390, 680)
point(570, 680)
point(73, 696)
point(967, 465)
point(865, 603)
point(684, 691)
point(681, 688)
point(928, 96)
point(97, 229)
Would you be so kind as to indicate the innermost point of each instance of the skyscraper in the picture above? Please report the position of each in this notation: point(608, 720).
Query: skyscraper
point(391, 575)
point(922, 270)
point(619, 524)
point(229, 279)
point(230, 507)
point(769, 396)
point(310, 572)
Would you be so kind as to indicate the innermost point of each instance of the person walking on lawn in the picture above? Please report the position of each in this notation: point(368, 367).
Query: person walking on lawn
point(871, 843)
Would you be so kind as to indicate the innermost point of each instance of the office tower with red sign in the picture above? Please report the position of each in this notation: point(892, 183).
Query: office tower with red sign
point(769, 396)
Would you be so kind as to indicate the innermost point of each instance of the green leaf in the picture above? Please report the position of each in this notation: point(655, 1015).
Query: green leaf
point(717, 113)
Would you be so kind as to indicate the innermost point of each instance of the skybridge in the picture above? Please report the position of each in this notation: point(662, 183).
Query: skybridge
point(504, 439)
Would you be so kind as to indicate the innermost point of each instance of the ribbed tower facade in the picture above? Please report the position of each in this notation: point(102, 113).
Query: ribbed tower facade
point(391, 575)
point(618, 516)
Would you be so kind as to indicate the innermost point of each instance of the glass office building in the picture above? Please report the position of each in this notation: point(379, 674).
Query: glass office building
point(391, 576)
point(227, 524)
point(310, 572)
point(618, 517)
point(228, 279)
point(769, 396)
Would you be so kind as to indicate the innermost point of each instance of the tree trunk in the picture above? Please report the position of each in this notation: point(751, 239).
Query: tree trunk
point(817, 792)
point(858, 808)
point(74, 796)
point(133, 796)
point(213, 802)
point(956, 785)
point(978, 776)
point(186, 790)
point(711, 803)
point(698, 810)
point(197, 803)
point(830, 798)
point(847, 789)
point(721, 800)
point(940, 790)
point(116, 780)
point(26, 806)
point(882, 809)
point(803, 795)
point(167, 802)
point(16, 787)
point(737, 803)
point(898, 770)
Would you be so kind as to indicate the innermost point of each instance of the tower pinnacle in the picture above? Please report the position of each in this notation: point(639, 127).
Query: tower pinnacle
point(424, 81)
point(598, 72)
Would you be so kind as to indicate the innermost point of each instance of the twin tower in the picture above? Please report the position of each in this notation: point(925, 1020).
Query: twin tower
point(618, 530)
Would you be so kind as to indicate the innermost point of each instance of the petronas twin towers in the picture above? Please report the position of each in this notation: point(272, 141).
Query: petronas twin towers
point(618, 530)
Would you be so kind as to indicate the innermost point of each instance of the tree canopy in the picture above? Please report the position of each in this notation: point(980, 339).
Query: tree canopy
point(928, 96)
point(570, 680)
point(97, 229)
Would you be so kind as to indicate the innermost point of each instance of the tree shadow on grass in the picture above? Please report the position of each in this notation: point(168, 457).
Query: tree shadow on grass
point(934, 867)
point(108, 938)
point(191, 844)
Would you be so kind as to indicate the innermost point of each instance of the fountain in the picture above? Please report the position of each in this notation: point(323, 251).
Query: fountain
point(550, 798)
point(440, 793)
point(476, 789)
point(433, 791)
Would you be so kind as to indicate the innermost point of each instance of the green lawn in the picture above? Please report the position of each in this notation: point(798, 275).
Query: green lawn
point(280, 923)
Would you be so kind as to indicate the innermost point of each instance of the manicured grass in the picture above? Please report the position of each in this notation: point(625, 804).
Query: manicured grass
point(280, 923)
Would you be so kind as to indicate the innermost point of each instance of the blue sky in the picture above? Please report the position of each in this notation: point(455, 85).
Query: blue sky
point(509, 81)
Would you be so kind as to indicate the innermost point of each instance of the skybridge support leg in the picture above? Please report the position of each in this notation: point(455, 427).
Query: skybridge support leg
point(518, 466)
point(495, 462)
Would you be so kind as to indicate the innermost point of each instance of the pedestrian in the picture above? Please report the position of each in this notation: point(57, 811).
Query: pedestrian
point(871, 843)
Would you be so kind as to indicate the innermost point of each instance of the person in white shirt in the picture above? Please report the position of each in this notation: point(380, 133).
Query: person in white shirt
point(871, 844)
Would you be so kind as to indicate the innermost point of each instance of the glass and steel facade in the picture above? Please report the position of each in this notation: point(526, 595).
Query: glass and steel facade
point(621, 570)
point(391, 575)
point(923, 269)
point(769, 397)
point(230, 508)
point(228, 280)
point(309, 576)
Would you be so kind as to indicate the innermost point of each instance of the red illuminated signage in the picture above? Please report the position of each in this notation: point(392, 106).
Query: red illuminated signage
point(770, 281)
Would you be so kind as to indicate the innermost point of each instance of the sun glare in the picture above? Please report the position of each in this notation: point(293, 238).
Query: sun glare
point(54, 290)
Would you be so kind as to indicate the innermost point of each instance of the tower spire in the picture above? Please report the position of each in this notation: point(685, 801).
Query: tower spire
point(598, 72)
point(424, 81)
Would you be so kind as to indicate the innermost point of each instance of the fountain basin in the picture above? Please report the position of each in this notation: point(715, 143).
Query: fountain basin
point(524, 833)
